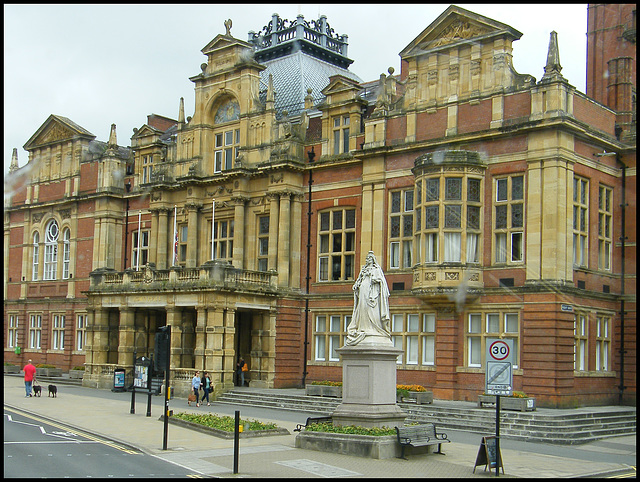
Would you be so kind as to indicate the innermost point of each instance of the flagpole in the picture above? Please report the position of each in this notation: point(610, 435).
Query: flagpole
point(175, 236)
point(138, 256)
point(213, 229)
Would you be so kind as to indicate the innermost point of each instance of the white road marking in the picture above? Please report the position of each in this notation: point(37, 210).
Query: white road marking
point(318, 468)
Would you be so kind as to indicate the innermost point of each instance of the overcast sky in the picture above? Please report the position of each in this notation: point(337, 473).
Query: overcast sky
point(104, 64)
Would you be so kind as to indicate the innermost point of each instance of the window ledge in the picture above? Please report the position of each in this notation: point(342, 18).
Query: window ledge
point(593, 373)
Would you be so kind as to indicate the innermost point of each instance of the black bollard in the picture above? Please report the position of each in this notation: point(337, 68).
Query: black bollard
point(236, 440)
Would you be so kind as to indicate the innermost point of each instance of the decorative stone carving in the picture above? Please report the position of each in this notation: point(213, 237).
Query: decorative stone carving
point(459, 30)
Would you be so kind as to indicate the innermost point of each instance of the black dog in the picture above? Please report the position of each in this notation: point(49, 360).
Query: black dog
point(53, 390)
point(37, 391)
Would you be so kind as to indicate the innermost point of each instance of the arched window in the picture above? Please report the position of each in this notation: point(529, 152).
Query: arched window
point(36, 256)
point(66, 253)
point(51, 250)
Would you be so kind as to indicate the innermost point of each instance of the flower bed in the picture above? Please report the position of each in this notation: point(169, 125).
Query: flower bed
point(44, 370)
point(11, 368)
point(224, 426)
point(324, 389)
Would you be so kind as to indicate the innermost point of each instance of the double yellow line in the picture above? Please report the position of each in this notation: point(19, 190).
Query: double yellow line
point(114, 445)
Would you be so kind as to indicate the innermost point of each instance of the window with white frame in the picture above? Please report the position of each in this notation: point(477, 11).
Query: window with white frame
point(580, 221)
point(141, 250)
point(36, 256)
point(329, 334)
point(491, 324)
point(66, 252)
point(397, 329)
point(581, 338)
point(57, 332)
point(428, 336)
point(605, 227)
point(603, 343)
point(223, 242)
point(509, 220)
point(263, 243)
point(336, 244)
point(183, 232)
point(227, 144)
point(12, 331)
point(52, 233)
point(81, 331)
point(35, 331)
point(340, 134)
point(147, 168)
point(448, 218)
point(401, 229)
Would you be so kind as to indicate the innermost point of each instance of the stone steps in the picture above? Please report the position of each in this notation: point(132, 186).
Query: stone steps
point(561, 427)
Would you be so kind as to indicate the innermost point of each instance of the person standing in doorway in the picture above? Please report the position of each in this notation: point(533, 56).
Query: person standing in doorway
point(29, 374)
point(195, 385)
point(240, 369)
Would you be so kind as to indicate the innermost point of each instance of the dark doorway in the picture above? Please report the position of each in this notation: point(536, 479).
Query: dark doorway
point(243, 339)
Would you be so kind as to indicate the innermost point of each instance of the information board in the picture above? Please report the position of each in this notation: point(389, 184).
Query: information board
point(488, 455)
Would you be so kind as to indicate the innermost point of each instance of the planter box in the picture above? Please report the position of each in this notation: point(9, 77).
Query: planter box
point(48, 372)
point(382, 447)
point(76, 374)
point(420, 397)
point(323, 391)
point(509, 403)
point(11, 369)
point(222, 433)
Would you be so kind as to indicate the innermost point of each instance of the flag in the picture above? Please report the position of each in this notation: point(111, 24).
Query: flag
point(175, 235)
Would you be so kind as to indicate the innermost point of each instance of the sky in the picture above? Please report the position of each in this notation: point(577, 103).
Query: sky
point(115, 64)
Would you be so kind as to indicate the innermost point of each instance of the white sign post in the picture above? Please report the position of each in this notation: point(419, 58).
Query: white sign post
point(499, 372)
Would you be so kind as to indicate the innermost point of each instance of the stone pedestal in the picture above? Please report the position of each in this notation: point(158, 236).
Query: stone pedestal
point(369, 385)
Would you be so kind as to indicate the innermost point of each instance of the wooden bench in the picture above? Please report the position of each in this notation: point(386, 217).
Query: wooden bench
point(311, 420)
point(420, 436)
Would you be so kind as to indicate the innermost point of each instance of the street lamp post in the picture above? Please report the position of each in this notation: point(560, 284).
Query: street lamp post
point(311, 155)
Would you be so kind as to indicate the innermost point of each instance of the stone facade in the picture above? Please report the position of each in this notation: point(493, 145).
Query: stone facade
point(484, 190)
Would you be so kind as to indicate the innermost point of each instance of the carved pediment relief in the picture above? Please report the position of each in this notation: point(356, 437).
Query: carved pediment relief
point(57, 129)
point(457, 25)
point(459, 30)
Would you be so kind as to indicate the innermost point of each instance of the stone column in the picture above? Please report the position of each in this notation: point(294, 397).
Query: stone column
point(100, 340)
point(163, 240)
point(283, 239)
point(126, 332)
point(295, 242)
point(153, 241)
point(273, 230)
point(228, 361)
point(238, 235)
point(174, 318)
point(192, 236)
point(214, 342)
point(201, 324)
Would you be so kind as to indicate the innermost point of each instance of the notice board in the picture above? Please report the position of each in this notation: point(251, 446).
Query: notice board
point(488, 454)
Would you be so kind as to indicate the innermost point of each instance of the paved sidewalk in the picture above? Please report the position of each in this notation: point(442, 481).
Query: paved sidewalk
point(107, 414)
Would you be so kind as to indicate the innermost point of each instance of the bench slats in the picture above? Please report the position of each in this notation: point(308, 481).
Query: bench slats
point(420, 436)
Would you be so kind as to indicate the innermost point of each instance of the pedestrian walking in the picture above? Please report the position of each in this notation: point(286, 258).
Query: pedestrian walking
point(29, 375)
point(207, 387)
point(195, 385)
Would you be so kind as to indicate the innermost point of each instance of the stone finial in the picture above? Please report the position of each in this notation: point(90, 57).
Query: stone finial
point(270, 91)
point(553, 67)
point(113, 140)
point(14, 160)
point(227, 25)
point(308, 100)
point(181, 111)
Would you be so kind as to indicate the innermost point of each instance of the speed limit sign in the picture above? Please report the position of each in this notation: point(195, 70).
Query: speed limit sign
point(498, 369)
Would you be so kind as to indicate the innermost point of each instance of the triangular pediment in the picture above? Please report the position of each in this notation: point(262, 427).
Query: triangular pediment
point(454, 27)
point(147, 130)
point(340, 83)
point(57, 129)
point(222, 42)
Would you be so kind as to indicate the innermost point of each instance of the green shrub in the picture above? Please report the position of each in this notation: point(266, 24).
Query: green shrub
point(225, 423)
point(351, 429)
point(45, 365)
point(78, 368)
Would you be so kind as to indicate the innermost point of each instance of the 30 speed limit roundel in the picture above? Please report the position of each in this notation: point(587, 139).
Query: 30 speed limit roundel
point(499, 350)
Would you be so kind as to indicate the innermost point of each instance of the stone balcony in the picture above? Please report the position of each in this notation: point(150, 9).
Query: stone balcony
point(211, 275)
point(441, 283)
